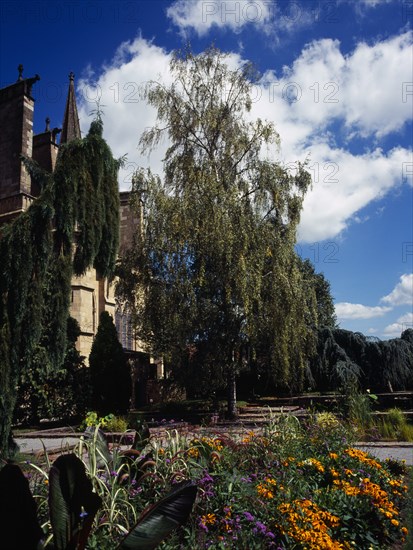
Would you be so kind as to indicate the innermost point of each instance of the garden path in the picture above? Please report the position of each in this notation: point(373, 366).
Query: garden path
point(57, 440)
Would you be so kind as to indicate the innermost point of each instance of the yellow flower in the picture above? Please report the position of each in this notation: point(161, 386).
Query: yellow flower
point(309, 525)
point(193, 451)
point(270, 481)
point(395, 522)
point(208, 519)
point(264, 492)
point(363, 457)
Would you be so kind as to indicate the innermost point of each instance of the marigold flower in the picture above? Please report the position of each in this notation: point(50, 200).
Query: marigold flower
point(208, 519)
point(193, 451)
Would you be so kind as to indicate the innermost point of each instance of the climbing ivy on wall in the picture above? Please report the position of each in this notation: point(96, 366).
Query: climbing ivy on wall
point(79, 203)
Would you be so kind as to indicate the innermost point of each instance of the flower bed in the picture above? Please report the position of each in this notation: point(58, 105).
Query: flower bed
point(291, 487)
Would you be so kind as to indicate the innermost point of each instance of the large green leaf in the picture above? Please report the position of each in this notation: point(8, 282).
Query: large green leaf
point(21, 528)
point(159, 520)
point(72, 503)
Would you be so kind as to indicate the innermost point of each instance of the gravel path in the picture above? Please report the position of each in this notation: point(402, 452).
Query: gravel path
point(33, 443)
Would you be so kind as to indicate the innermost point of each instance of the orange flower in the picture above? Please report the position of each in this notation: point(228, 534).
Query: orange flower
point(395, 522)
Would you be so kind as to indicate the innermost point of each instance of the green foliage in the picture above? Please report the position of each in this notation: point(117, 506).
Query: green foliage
point(109, 370)
point(113, 487)
point(316, 283)
point(40, 388)
point(92, 420)
point(216, 262)
point(157, 522)
point(86, 184)
point(76, 496)
point(72, 503)
point(394, 426)
point(37, 263)
point(396, 417)
point(359, 412)
point(110, 422)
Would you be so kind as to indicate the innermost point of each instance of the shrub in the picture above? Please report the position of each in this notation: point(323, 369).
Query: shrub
point(117, 424)
point(394, 426)
point(396, 417)
point(110, 376)
point(109, 423)
point(40, 392)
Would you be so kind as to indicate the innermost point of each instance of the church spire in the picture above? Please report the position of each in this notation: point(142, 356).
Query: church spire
point(71, 127)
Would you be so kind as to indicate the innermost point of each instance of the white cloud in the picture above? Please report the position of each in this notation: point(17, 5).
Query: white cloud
point(392, 331)
point(346, 310)
point(125, 115)
point(406, 319)
point(369, 89)
point(362, 7)
point(345, 184)
point(201, 15)
point(402, 294)
point(355, 93)
point(404, 322)
point(367, 85)
point(270, 17)
point(373, 3)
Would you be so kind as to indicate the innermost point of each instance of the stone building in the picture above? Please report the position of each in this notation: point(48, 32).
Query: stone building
point(91, 294)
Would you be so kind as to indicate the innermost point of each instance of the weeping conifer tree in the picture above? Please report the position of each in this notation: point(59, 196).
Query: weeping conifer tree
point(79, 203)
point(346, 358)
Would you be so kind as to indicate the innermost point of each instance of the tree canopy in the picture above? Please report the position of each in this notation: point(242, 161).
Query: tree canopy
point(80, 199)
point(216, 261)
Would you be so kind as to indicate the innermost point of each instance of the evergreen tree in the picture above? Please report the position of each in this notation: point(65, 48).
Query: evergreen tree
point(109, 370)
point(79, 198)
point(218, 231)
point(346, 358)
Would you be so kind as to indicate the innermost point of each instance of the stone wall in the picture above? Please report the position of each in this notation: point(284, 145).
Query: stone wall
point(90, 296)
point(16, 139)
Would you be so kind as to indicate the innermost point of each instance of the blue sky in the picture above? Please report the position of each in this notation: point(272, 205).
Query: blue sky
point(336, 80)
